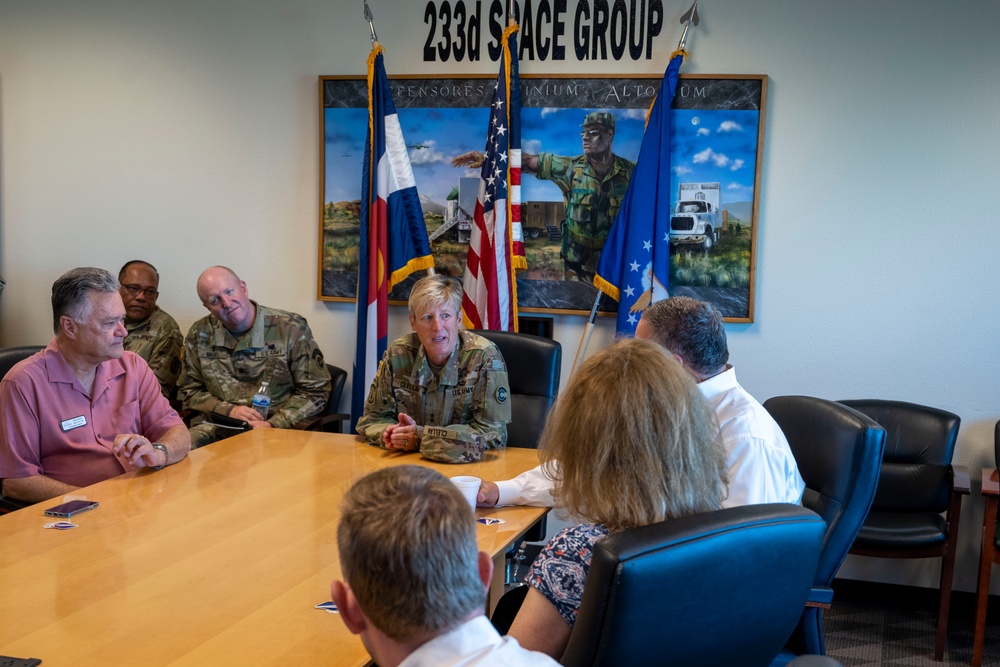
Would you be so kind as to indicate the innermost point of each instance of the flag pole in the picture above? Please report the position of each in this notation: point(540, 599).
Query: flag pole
point(581, 351)
point(688, 19)
point(371, 26)
point(371, 21)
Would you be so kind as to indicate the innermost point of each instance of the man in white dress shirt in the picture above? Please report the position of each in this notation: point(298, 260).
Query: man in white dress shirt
point(761, 466)
point(415, 582)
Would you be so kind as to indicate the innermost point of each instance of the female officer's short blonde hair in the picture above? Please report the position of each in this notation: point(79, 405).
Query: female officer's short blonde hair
point(434, 291)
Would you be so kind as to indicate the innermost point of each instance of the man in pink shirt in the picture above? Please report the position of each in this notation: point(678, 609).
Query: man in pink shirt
point(83, 410)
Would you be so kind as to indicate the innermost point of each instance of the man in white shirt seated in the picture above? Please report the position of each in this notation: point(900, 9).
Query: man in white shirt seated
point(415, 582)
point(761, 466)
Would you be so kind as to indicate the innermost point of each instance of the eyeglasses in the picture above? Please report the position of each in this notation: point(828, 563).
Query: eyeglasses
point(135, 289)
point(591, 133)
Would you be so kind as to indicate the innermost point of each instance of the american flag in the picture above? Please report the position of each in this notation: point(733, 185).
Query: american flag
point(496, 248)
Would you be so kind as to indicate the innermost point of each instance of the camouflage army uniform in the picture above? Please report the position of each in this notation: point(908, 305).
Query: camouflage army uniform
point(222, 371)
point(469, 396)
point(158, 340)
point(591, 206)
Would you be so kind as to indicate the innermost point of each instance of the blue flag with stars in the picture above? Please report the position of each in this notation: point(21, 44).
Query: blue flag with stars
point(635, 262)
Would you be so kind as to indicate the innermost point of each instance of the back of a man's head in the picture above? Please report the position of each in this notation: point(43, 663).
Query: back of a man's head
point(407, 542)
point(691, 329)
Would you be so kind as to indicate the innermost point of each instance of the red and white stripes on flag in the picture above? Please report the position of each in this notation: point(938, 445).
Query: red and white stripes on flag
point(496, 248)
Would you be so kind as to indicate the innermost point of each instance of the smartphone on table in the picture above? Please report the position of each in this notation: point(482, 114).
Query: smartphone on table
point(71, 508)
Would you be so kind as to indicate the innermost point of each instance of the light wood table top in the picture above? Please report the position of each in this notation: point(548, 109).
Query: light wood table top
point(218, 560)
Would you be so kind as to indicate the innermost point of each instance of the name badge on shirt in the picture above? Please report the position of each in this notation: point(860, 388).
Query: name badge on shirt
point(75, 422)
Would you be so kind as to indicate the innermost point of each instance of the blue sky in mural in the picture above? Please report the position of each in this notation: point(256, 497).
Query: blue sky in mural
point(708, 145)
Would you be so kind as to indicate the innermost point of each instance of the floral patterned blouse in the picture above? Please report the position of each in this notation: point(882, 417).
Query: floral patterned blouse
point(560, 571)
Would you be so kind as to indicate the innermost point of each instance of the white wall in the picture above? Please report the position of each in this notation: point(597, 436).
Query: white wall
point(186, 133)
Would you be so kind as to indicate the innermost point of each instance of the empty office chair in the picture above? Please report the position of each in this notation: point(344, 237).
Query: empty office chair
point(533, 367)
point(839, 454)
point(721, 588)
point(330, 420)
point(11, 355)
point(917, 484)
point(990, 548)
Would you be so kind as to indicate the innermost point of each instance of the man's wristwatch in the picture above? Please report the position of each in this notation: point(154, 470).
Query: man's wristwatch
point(162, 448)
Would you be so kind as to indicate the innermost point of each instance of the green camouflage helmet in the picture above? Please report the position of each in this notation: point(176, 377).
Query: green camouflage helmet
point(604, 118)
point(449, 445)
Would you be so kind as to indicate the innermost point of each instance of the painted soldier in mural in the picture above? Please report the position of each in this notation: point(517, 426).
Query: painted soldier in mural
point(593, 186)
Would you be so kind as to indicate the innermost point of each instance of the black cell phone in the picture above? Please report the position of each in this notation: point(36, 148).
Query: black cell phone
point(69, 509)
point(7, 661)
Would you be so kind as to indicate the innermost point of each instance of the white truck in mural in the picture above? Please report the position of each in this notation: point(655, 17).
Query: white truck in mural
point(458, 216)
point(695, 220)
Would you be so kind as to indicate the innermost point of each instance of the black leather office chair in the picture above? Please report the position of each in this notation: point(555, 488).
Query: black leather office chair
point(989, 549)
point(11, 355)
point(331, 421)
point(839, 454)
point(533, 367)
point(918, 483)
point(721, 588)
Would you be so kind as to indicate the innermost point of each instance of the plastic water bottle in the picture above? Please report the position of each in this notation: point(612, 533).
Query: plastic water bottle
point(262, 400)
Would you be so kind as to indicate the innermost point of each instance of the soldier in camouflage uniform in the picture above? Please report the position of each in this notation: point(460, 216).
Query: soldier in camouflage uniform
point(440, 391)
point(228, 353)
point(593, 186)
point(152, 333)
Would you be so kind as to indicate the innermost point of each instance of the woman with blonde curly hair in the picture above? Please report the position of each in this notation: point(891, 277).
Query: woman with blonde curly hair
point(636, 444)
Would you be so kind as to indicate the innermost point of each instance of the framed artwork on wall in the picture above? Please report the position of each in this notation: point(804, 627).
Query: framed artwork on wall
point(716, 151)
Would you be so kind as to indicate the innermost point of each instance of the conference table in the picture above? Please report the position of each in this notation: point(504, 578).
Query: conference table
point(220, 559)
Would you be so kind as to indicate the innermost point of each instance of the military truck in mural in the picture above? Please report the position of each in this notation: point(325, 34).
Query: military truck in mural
point(696, 220)
point(542, 218)
point(458, 215)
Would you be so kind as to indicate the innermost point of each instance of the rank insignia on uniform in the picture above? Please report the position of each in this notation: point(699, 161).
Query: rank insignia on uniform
point(501, 394)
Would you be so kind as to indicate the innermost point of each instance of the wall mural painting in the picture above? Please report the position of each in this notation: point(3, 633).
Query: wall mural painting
point(718, 125)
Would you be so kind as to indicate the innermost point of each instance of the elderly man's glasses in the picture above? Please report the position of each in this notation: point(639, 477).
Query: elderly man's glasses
point(135, 289)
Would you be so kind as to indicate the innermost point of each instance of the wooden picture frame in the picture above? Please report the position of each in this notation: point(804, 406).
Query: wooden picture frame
point(718, 125)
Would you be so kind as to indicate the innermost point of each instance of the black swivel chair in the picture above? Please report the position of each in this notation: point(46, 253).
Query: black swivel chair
point(839, 454)
point(721, 588)
point(918, 483)
point(534, 364)
point(331, 421)
point(533, 367)
point(9, 356)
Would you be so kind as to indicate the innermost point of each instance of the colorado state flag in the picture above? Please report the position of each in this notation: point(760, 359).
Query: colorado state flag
point(393, 242)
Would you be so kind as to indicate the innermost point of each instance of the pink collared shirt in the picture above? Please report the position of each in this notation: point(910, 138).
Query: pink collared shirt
point(52, 427)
